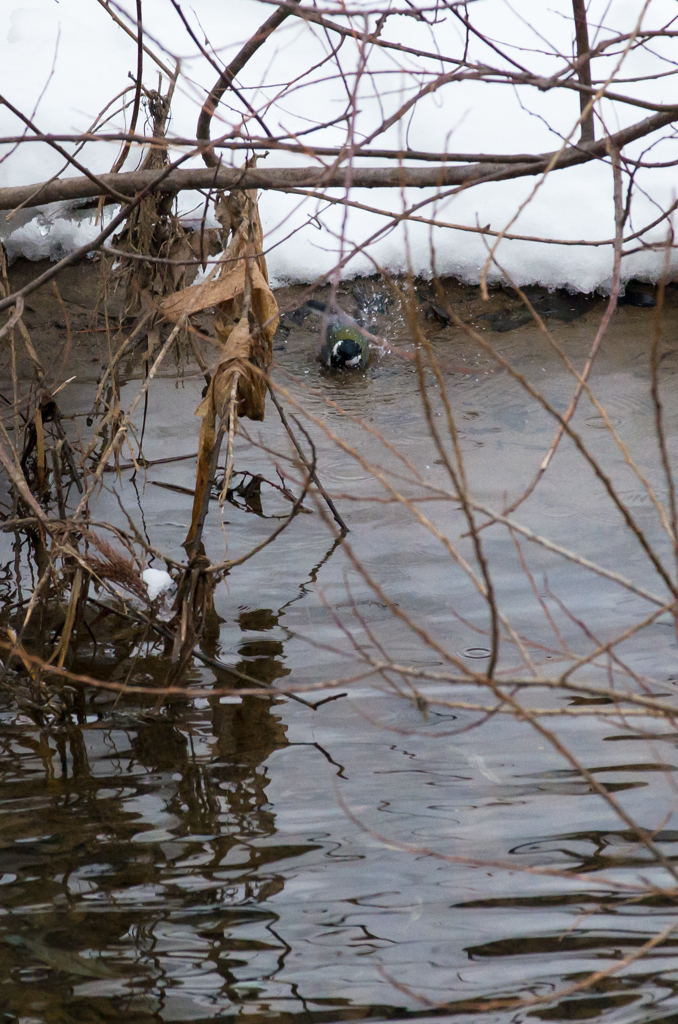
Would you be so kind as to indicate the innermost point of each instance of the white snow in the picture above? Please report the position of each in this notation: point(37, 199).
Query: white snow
point(63, 62)
point(157, 582)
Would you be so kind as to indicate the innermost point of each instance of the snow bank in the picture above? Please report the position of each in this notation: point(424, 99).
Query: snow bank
point(64, 62)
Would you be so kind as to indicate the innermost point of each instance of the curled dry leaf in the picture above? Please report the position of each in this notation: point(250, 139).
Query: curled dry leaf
point(246, 319)
point(230, 283)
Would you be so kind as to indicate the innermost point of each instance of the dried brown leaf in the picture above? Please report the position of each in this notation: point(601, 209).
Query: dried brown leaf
point(230, 283)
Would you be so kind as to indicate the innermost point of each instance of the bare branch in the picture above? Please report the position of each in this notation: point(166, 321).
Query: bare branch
point(227, 77)
point(284, 178)
point(584, 64)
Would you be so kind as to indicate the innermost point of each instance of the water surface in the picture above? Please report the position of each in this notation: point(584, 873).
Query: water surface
point(198, 862)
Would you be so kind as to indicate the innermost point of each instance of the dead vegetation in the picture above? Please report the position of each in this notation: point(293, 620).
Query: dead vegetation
point(88, 573)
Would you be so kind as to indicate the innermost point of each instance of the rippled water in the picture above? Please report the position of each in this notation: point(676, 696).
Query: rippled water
point(200, 863)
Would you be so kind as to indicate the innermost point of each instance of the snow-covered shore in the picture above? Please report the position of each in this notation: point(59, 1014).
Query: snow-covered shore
point(63, 62)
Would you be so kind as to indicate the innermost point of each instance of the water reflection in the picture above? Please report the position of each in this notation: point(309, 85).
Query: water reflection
point(194, 863)
point(130, 856)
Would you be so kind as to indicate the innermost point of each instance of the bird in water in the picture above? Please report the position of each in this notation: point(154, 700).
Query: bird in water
point(344, 345)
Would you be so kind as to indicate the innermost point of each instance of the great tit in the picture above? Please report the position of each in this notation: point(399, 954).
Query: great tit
point(344, 346)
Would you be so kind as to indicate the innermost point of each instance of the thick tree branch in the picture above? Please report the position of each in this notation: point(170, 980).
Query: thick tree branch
point(283, 178)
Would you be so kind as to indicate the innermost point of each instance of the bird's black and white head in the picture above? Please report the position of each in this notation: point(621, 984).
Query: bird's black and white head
point(346, 354)
point(344, 346)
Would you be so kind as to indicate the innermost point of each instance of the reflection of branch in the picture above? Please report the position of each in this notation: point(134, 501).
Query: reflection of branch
point(457, 473)
point(657, 402)
point(600, 334)
point(512, 866)
point(557, 996)
point(310, 468)
point(524, 714)
point(594, 463)
point(330, 504)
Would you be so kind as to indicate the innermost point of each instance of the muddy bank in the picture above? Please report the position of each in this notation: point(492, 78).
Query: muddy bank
point(73, 320)
point(84, 297)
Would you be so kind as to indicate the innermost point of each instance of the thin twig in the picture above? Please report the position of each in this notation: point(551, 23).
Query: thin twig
point(328, 501)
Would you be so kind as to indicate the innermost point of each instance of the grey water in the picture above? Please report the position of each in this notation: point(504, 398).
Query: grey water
point(255, 857)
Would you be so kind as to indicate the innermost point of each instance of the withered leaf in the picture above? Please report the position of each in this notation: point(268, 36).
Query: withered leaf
point(210, 293)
